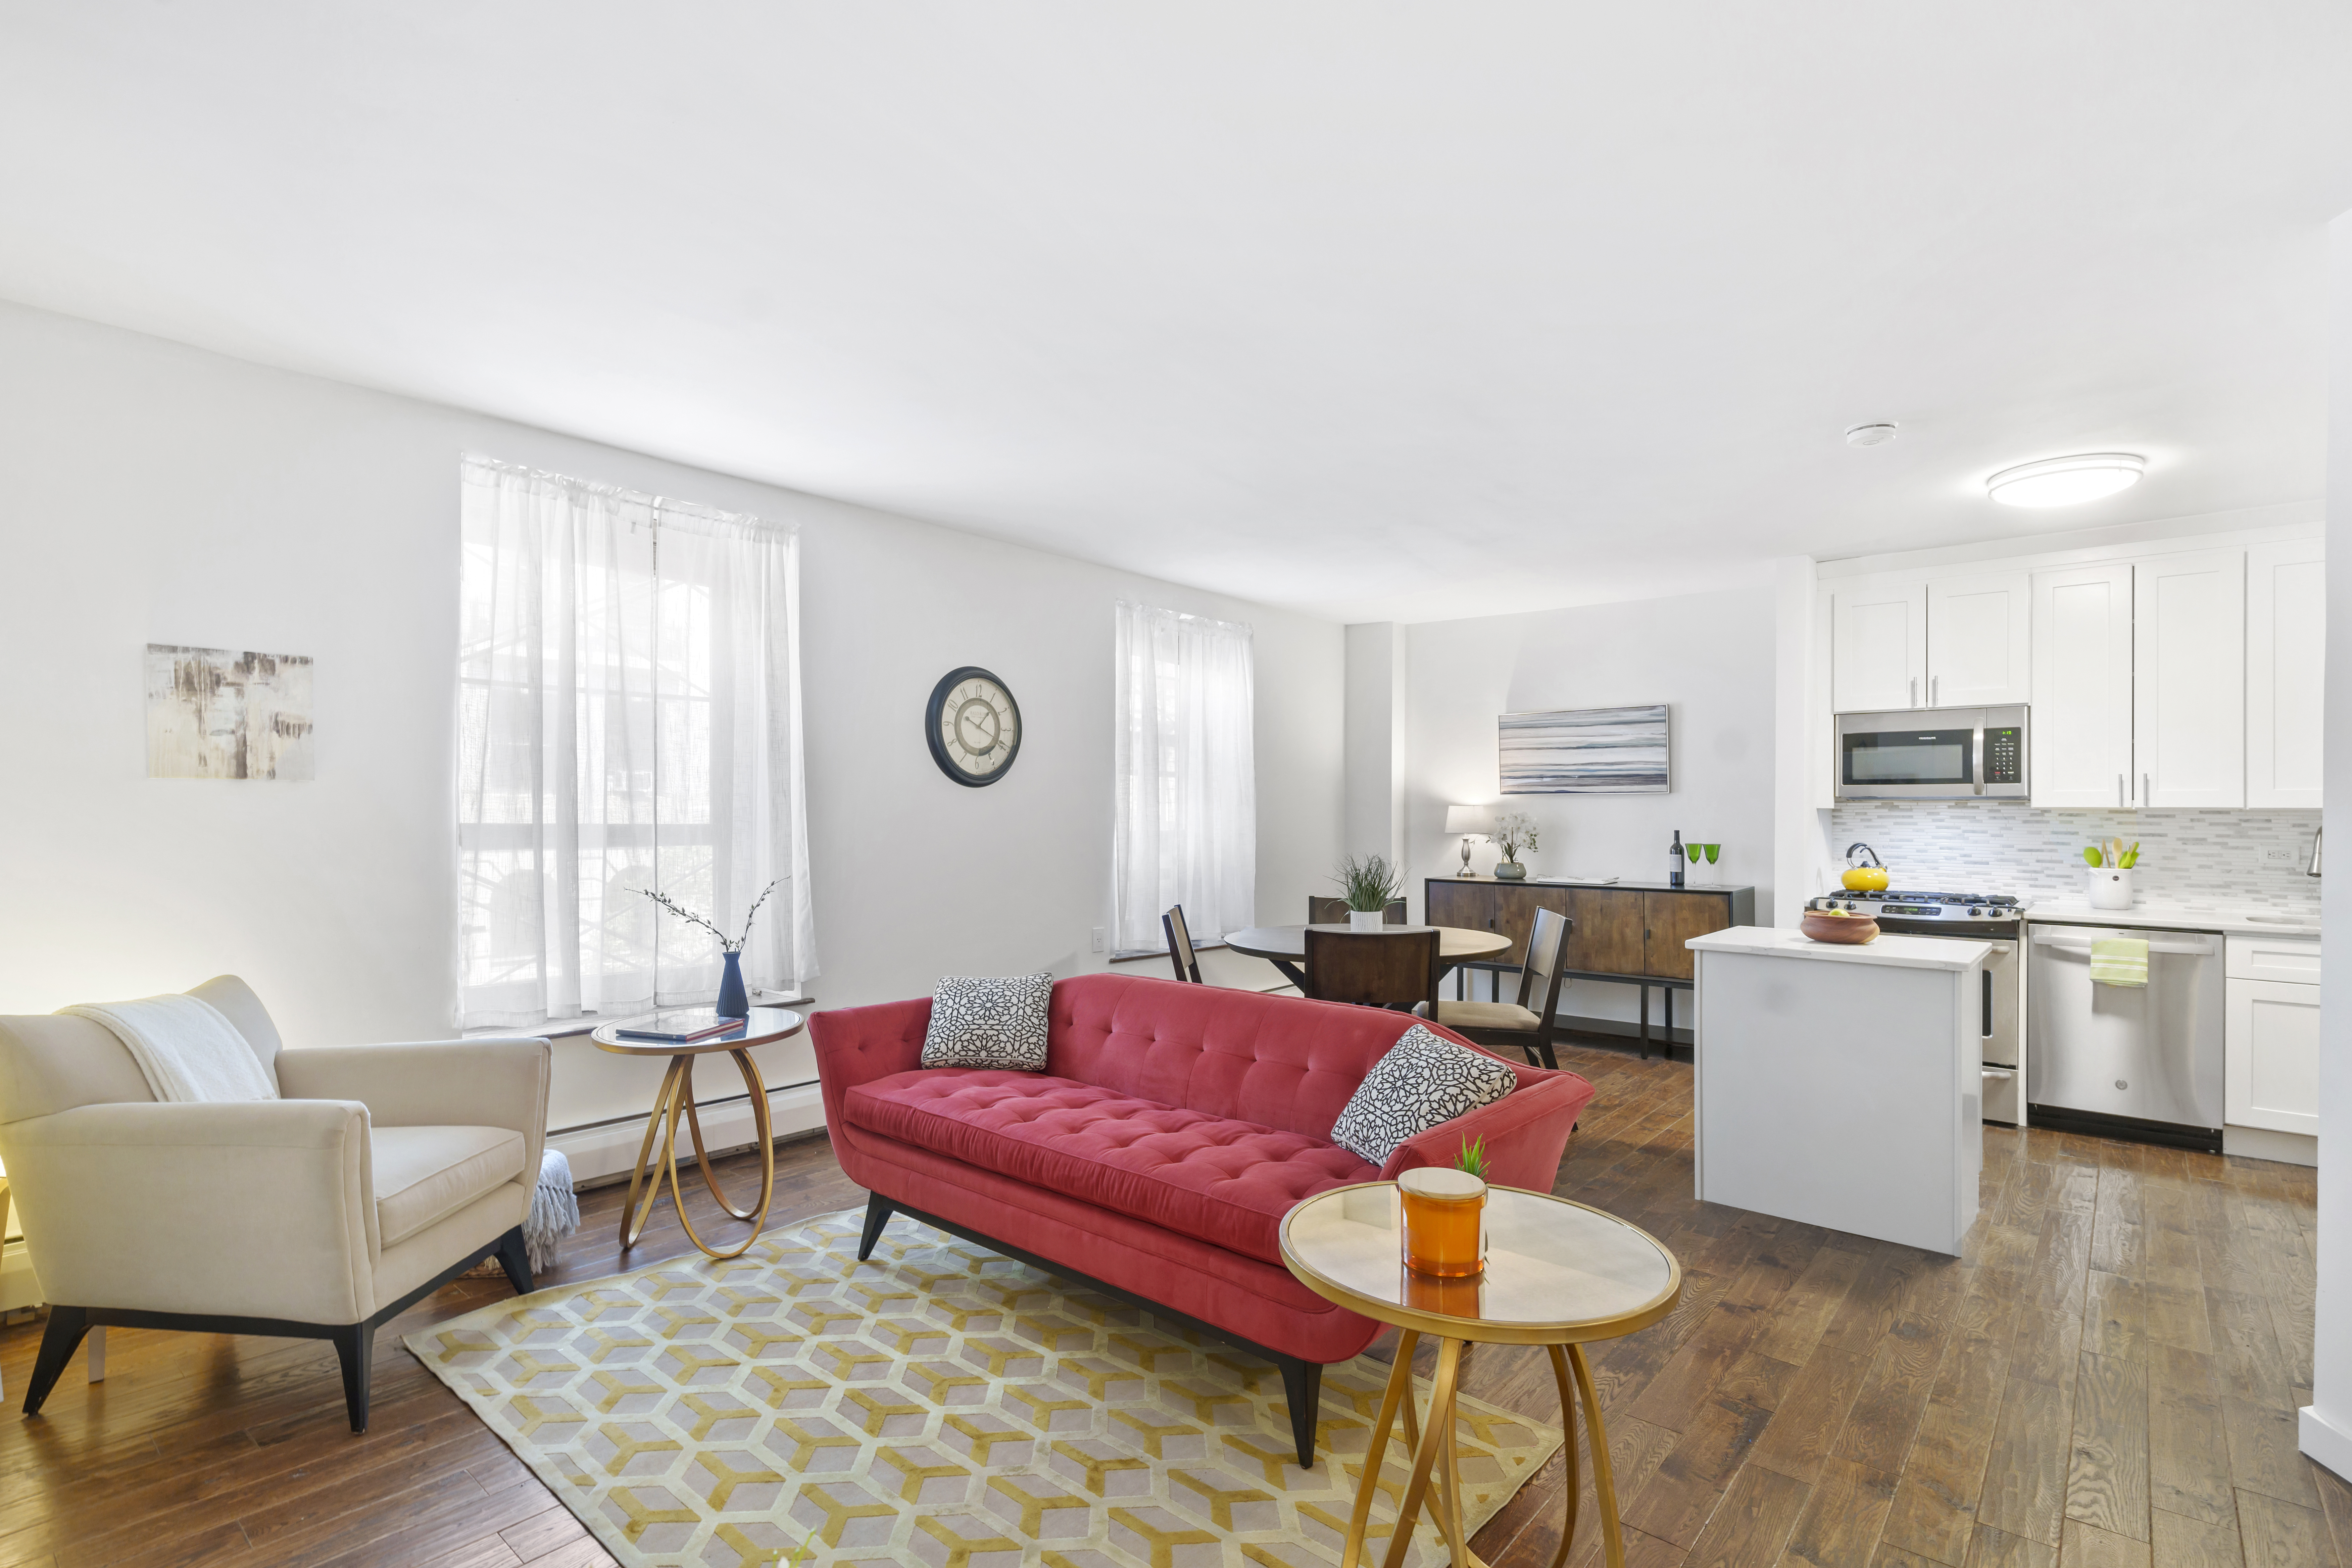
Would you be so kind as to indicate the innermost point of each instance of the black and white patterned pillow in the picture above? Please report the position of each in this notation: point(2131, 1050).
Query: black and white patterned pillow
point(1424, 1080)
point(978, 1022)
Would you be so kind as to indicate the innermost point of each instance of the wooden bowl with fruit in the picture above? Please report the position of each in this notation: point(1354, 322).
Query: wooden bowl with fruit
point(1838, 926)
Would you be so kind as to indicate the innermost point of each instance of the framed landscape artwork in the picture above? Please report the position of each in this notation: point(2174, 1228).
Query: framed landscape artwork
point(1585, 751)
point(217, 713)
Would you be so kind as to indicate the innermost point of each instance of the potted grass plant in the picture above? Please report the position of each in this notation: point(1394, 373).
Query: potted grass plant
point(1368, 885)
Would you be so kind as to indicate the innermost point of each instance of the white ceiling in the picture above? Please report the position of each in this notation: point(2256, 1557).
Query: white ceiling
point(1369, 308)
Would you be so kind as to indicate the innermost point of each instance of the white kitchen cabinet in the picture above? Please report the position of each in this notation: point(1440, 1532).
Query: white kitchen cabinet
point(2081, 687)
point(2189, 676)
point(2271, 1045)
point(1979, 640)
point(2287, 649)
point(1878, 647)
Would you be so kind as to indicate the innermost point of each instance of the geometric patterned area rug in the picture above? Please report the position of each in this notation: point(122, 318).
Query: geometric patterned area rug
point(938, 1405)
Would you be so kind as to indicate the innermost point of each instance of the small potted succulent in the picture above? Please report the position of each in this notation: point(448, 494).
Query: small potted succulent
point(1367, 887)
point(1512, 830)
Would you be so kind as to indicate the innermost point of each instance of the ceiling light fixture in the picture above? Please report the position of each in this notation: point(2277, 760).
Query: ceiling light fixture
point(1870, 435)
point(2063, 481)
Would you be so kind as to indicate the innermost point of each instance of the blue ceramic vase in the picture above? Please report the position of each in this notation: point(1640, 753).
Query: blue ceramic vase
point(733, 1002)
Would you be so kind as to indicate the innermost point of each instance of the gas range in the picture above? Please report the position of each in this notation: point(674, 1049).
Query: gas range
point(1896, 909)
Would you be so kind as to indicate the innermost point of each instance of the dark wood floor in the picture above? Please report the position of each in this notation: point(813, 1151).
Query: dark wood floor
point(2107, 1379)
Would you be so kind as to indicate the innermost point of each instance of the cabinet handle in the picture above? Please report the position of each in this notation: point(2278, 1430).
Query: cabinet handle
point(2147, 796)
point(1914, 691)
point(2119, 792)
point(1935, 684)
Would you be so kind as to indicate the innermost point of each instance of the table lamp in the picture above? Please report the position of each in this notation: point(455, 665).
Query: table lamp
point(1474, 822)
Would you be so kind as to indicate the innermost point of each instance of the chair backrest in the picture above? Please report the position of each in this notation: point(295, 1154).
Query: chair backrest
point(1321, 912)
point(1179, 946)
point(1392, 969)
point(56, 1061)
point(1540, 976)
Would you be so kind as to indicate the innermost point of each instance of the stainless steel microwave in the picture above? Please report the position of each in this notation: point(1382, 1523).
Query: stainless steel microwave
point(1933, 753)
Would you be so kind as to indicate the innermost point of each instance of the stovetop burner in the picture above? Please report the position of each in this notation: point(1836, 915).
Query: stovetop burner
point(1896, 896)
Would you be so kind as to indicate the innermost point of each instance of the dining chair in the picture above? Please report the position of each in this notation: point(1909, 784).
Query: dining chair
point(1387, 969)
point(1179, 946)
point(1528, 1022)
point(1335, 912)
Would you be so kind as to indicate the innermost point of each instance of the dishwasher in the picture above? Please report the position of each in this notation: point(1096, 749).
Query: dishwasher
point(2142, 1063)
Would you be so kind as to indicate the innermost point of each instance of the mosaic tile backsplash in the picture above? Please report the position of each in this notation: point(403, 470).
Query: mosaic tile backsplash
point(2187, 857)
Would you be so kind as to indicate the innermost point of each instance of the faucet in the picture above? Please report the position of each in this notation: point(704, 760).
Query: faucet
point(2313, 869)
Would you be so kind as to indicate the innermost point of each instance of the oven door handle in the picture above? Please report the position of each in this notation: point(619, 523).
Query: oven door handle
point(1975, 772)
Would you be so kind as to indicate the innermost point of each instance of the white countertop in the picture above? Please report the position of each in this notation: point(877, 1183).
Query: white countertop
point(2176, 916)
point(1953, 951)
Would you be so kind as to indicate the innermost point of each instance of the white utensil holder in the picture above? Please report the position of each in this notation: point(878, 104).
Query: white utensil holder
point(2111, 888)
point(1367, 920)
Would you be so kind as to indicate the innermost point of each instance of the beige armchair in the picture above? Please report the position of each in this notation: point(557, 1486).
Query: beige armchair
point(386, 1172)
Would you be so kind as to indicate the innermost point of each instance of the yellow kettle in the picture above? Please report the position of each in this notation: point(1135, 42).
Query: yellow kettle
point(1863, 876)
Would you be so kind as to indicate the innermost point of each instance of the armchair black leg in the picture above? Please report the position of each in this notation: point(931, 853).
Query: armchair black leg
point(878, 1210)
point(355, 1348)
point(1302, 1387)
point(515, 1258)
point(58, 1341)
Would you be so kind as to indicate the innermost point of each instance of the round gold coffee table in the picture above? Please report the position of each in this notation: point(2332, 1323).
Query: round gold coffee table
point(1558, 1274)
point(763, 1026)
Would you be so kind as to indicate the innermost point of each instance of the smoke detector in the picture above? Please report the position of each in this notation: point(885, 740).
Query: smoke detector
point(1870, 435)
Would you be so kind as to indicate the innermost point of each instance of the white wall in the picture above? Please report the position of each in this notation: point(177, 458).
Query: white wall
point(2326, 1425)
point(1709, 656)
point(153, 492)
point(1375, 738)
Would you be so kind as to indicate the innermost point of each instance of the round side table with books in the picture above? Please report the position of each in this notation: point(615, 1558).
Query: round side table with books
point(1557, 1274)
point(682, 1034)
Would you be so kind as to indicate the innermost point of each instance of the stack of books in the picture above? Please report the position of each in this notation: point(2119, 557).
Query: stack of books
point(680, 1027)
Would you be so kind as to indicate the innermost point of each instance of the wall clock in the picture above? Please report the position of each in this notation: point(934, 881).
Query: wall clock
point(973, 726)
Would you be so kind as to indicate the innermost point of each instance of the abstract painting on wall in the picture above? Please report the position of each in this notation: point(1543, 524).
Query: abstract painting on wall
point(215, 713)
point(1585, 751)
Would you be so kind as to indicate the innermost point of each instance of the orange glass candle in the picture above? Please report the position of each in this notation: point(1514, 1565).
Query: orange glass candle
point(1444, 1213)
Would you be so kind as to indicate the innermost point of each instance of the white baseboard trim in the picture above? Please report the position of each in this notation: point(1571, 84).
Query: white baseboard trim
point(2324, 1442)
point(2263, 1143)
point(606, 1148)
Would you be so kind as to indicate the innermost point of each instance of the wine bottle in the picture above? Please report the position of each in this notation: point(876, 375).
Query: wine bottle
point(1674, 878)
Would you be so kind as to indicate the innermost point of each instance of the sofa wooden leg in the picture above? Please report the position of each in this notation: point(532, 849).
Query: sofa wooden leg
point(1302, 1386)
point(355, 1348)
point(514, 1257)
point(58, 1342)
point(878, 1210)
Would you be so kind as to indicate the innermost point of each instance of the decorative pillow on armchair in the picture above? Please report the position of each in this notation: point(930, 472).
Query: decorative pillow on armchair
point(1424, 1081)
point(978, 1022)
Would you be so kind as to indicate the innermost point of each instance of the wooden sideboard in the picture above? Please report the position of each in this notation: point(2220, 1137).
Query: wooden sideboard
point(1627, 932)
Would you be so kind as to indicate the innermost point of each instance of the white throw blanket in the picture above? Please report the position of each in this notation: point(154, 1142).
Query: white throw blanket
point(186, 1048)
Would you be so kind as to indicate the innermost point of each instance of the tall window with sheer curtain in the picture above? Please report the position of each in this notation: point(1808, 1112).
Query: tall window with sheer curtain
point(628, 718)
point(1186, 810)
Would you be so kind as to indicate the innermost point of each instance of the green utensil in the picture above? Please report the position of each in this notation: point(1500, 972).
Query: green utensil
point(2092, 857)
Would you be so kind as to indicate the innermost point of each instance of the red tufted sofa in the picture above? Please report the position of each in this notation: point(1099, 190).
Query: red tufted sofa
point(1172, 1128)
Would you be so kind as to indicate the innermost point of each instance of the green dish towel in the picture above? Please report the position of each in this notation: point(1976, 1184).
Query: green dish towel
point(2119, 960)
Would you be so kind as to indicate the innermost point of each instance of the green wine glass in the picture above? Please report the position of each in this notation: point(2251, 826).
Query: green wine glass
point(1712, 851)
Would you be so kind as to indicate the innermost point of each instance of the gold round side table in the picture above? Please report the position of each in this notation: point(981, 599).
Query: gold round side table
point(765, 1026)
point(1558, 1274)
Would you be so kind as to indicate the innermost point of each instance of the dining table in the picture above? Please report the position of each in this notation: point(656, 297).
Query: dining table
point(1284, 947)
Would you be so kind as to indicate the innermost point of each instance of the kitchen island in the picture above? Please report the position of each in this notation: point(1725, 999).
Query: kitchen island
point(1841, 1086)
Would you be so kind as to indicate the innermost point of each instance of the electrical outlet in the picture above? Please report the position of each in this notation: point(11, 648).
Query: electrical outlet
point(2278, 857)
point(1100, 938)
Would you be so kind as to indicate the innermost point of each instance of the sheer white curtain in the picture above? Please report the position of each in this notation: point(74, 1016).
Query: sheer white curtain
point(1186, 825)
point(628, 717)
